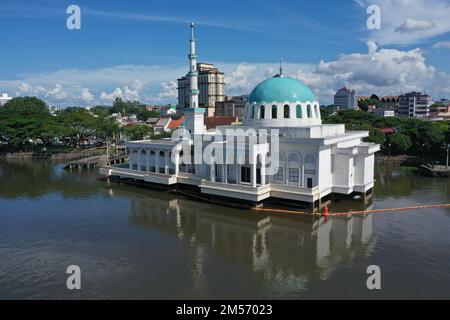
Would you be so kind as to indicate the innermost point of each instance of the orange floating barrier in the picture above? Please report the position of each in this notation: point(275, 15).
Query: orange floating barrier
point(326, 213)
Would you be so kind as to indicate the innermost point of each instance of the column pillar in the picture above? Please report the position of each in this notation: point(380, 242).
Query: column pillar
point(177, 163)
point(238, 178)
point(263, 170)
point(157, 161)
point(302, 172)
point(166, 163)
point(212, 172)
point(225, 172)
point(139, 159)
point(148, 159)
point(253, 170)
point(130, 159)
point(293, 111)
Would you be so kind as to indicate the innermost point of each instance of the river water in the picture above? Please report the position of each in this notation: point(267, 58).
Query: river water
point(136, 243)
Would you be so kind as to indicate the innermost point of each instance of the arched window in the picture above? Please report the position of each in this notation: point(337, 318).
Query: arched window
point(274, 112)
point(293, 157)
point(162, 154)
point(299, 111)
point(286, 111)
point(263, 112)
point(309, 111)
point(310, 159)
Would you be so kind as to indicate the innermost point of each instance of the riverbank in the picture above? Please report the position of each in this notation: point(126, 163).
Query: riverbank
point(52, 155)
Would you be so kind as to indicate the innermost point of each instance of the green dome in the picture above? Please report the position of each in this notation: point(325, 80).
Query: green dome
point(281, 89)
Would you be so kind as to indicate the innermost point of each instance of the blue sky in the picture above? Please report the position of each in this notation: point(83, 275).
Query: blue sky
point(136, 49)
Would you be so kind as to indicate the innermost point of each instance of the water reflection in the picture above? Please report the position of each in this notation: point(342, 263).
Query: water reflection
point(139, 243)
point(277, 249)
point(35, 179)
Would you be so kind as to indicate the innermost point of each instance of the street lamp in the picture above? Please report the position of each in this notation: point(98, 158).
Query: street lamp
point(390, 144)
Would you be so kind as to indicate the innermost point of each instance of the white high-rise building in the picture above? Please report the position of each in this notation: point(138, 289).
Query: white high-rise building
point(345, 99)
point(4, 98)
point(211, 86)
point(415, 105)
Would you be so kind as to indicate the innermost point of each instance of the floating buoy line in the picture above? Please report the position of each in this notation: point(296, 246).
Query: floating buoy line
point(326, 213)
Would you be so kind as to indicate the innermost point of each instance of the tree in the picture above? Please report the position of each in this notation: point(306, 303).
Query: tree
point(143, 114)
point(22, 120)
point(399, 142)
point(138, 132)
point(76, 123)
point(125, 108)
point(106, 128)
point(364, 104)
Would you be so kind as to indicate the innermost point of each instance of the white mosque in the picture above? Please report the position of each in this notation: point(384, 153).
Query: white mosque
point(286, 153)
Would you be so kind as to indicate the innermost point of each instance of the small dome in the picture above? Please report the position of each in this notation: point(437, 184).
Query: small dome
point(281, 89)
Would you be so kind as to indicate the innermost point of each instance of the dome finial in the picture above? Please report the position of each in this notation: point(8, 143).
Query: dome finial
point(281, 67)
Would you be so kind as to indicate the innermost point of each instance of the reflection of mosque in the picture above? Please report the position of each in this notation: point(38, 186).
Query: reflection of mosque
point(276, 248)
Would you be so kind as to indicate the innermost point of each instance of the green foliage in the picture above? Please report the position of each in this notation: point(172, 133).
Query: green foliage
point(417, 137)
point(399, 143)
point(364, 104)
point(143, 114)
point(24, 119)
point(138, 132)
point(76, 123)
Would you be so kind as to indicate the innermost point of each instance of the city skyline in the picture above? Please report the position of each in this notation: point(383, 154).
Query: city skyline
point(119, 52)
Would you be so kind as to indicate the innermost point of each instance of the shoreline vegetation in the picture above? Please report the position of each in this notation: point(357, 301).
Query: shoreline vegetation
point(29, 130)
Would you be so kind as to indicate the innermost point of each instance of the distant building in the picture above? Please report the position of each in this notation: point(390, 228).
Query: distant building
point(211, 87)
point(4, 98)
point(213, 122)
point(439, 110)
point(54, 110)
point(385, 113)
point(443, 102)
point(167, 124)
point(389, 102)
point(345, 99)
point(415, 105)
point(231, 107)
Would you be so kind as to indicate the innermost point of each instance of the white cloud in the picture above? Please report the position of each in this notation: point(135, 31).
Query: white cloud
point(168, 91)
point(379, 70)
point(411, 25)
point(86, 95)
point(57, 93)
point(406, 22)
point(108, 97)
point(382, 71)
point(442, 45)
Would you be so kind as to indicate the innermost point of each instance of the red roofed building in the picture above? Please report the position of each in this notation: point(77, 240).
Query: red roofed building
point(213, 122)
point(175, 123)
point(388, 131)
point(167, 124)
